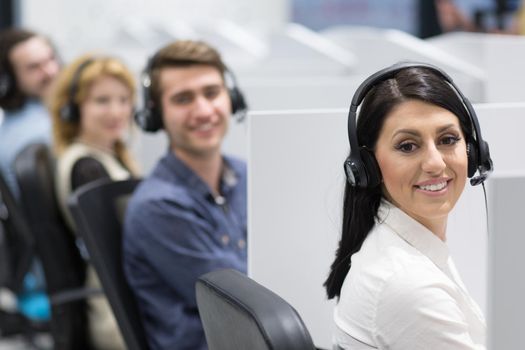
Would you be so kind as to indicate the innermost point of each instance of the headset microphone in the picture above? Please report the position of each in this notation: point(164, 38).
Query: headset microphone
point(484, 172)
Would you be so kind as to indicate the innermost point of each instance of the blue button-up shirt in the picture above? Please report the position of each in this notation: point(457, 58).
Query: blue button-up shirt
point(176, 230)
point(18, 129)
point(30, 124)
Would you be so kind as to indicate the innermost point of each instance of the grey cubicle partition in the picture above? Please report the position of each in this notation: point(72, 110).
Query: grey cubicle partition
point(500, 57)
point(295, 192)
point(376, 48)
point(507, 261)
point(307, 92)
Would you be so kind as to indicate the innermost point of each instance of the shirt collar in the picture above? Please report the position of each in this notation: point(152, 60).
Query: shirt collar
point(414, 233)
point(32, 107)
point(185, 175)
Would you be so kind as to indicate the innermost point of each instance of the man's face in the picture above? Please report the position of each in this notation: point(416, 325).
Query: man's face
point(195, 109)
point(35, 66)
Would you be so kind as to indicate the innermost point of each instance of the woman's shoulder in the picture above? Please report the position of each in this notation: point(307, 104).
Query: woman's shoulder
point(386, 252)
point(389, 280)
point(75, 152)
point(387, 266)
point(82, 159)
point(67, 159)
point(87, 164)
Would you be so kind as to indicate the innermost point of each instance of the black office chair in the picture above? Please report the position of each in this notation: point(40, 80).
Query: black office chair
point(18, 245)
point(239, 313)
point(17, 251)
point(63, 265)
point(98, 210)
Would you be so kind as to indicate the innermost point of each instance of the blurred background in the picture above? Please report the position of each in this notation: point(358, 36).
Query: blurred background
point(287, 54)
point(291, 55)
point(332, 40)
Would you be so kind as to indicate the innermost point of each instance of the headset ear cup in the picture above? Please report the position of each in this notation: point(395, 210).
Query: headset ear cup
point(239, 106)
point(484, 157)
point(149, 120)
point(472, 156)
point(142, 119)
point(372, 170)
point(69, 113)
point(64, 113)
point(234, 98)
point(5, 84)
point(238, 103)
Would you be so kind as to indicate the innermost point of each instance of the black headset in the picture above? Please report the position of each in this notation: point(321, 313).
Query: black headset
point(149, 118)
point(361, 166)
point(5, 83)
point(70, 112)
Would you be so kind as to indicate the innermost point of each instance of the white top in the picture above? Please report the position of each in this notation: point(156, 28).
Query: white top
point(403, 292)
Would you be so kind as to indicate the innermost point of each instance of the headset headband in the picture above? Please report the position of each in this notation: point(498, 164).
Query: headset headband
point(73, 87)
point(69, 112)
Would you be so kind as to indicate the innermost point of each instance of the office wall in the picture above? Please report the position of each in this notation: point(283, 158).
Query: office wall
point(295, 193)
point(500, 57)
point(376, 48)
point(139, 26)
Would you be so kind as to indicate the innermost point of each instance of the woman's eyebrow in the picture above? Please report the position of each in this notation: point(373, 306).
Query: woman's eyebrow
point(416, 133)
point(446, 127)
point(412, 132)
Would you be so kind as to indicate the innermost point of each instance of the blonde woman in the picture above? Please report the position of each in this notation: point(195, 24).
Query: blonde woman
point(91, 106)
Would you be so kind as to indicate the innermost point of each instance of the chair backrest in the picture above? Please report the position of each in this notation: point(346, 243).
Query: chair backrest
point(98, 209)
point(239, 313)
point(62, 263)
point(55, 243)
point(17, 241)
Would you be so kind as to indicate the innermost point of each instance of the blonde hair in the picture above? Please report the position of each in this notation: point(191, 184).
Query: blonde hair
point(65, 132)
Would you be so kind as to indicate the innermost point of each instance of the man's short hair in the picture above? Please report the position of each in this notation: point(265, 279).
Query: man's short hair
point(11, 98)
point(183, 53)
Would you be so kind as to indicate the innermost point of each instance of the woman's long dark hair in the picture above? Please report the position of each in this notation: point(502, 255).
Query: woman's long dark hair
point(360, 205)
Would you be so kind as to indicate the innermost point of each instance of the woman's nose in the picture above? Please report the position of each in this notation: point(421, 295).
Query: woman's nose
point(433, 162)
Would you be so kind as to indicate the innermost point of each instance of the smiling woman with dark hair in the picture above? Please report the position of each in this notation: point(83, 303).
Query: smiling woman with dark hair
point(416, 141)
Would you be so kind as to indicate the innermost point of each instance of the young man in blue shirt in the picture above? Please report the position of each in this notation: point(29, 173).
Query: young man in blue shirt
point(189, 216)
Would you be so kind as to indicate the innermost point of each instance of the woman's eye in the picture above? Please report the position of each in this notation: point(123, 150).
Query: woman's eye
point(102, 99)
point(406, 147)
point(450, 140)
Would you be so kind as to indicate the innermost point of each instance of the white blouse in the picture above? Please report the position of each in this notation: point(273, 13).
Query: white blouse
point(403, 292)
